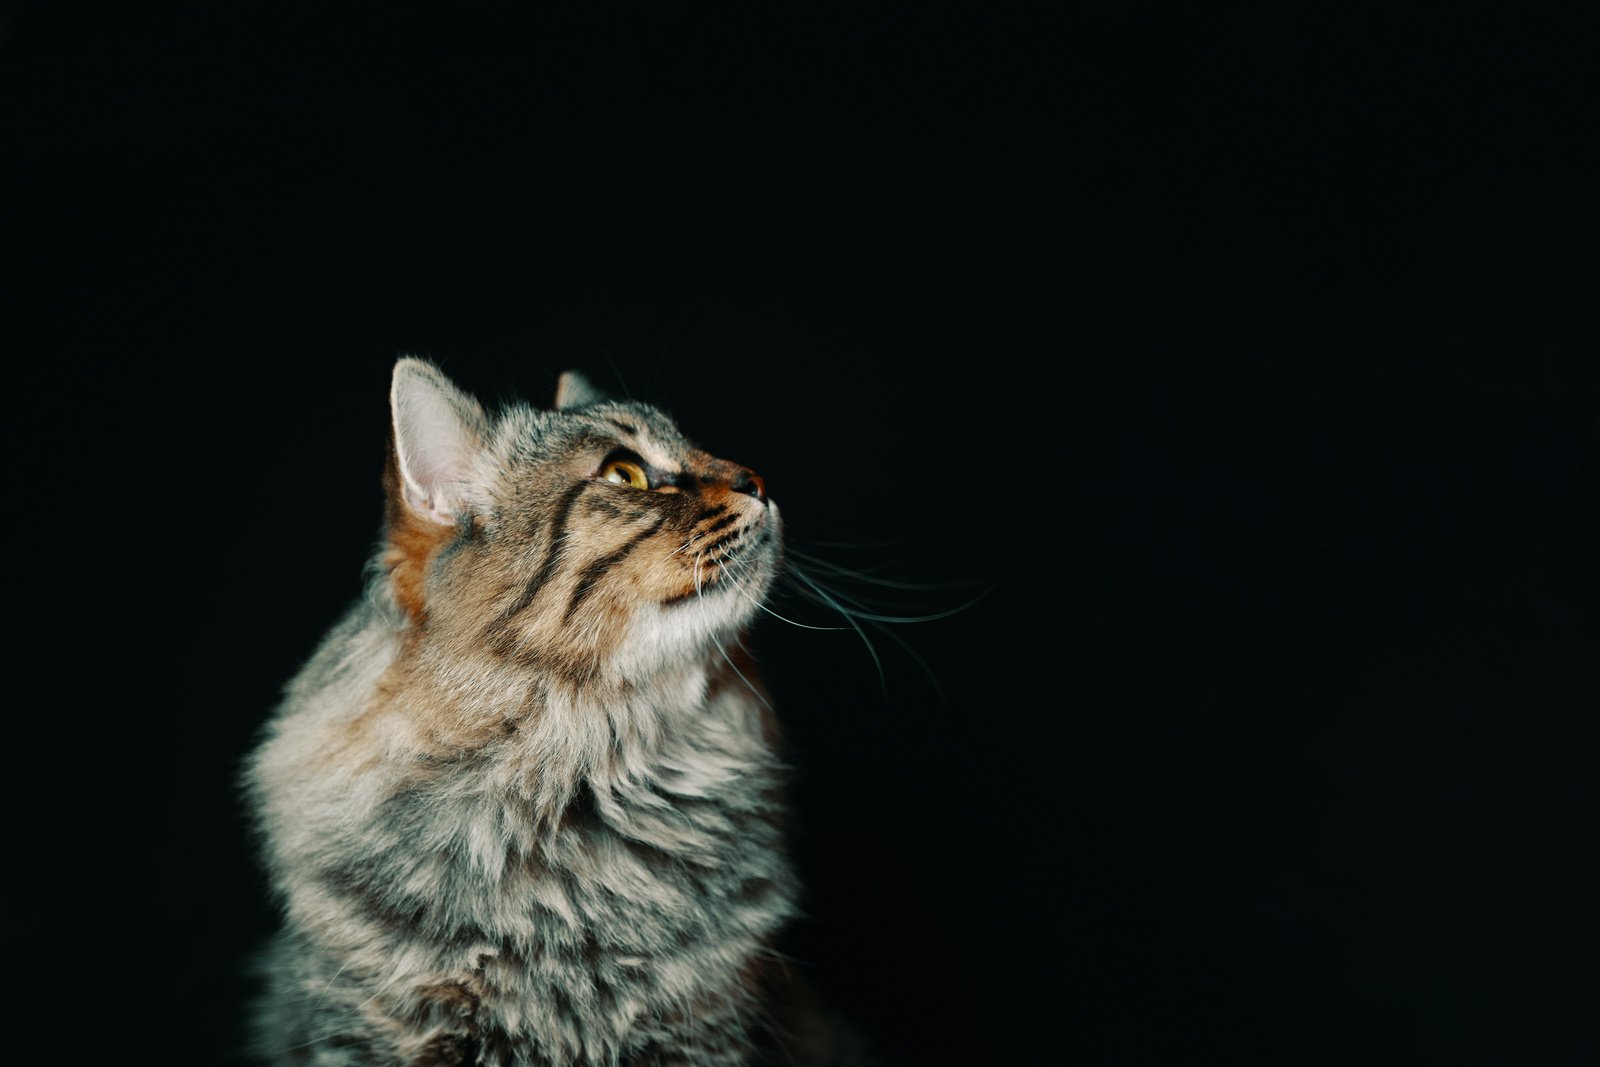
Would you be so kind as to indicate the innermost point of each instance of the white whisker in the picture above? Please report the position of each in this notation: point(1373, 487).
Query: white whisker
point(858, 611)
point(867, 576)
point(784, 618)
point(883, 679)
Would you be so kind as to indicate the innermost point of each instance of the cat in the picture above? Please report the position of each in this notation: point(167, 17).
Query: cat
point(524, 804)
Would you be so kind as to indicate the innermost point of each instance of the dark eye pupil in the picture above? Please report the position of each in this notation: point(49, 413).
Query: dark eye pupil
point(625, 473)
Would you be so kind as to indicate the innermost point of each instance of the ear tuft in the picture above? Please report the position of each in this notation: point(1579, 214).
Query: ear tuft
point(574, 391)
point(438, 432)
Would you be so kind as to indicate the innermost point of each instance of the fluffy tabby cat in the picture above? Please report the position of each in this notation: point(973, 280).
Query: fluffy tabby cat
point(522, 806)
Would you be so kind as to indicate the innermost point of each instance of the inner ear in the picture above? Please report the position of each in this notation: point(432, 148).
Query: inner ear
point(573, 390)
point(438, 432)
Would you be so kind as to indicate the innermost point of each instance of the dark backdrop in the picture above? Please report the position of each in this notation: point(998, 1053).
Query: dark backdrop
point(1231, 369)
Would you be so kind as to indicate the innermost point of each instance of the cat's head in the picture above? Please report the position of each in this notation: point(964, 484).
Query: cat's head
point(592, 539)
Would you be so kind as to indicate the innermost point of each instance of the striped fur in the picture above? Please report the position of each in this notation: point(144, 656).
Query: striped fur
point(522, 806)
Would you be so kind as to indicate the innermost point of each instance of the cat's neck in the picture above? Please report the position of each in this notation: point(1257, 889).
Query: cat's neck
point(690, 728)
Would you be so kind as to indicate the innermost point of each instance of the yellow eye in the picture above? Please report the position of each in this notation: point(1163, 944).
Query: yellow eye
point(624, 473)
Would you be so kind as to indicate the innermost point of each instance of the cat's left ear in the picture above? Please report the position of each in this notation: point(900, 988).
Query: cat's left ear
point(438, 432)
point(574, 391)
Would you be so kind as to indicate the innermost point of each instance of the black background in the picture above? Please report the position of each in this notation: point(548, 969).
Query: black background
point(1237, 361)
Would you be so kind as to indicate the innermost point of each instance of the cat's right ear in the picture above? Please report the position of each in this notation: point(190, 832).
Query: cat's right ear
point(438, 432)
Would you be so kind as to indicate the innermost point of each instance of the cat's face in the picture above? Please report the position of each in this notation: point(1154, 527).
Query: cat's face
point(593, 540)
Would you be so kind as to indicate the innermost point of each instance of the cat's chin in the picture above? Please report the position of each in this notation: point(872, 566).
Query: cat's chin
point(720, 609)
point(689, 630)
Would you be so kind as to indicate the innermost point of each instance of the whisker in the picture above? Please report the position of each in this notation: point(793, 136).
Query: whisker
point(783, 618)
point(858, 611)
point(692, 539)
point(916, 657)
point(883, 679)
point(747, 683)
point(867, 576)
point(735, 667)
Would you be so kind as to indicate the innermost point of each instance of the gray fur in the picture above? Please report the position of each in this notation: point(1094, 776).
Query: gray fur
point(536, 827)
